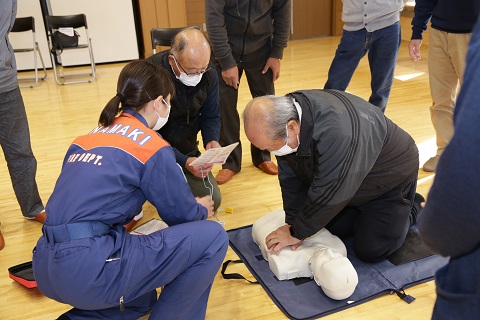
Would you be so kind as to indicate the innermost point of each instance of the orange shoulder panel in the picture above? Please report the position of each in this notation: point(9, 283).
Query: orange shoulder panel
point(126, 133)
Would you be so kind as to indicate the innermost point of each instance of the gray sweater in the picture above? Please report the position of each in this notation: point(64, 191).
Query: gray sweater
point(8, 66)
point(371, 14)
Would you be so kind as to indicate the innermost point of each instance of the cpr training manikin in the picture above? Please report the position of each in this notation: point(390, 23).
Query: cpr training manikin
point(322, 256)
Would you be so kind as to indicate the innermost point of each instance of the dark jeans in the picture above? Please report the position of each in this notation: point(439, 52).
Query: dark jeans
point(15, 142)
point(260, 85)
point(382, 48)
point(379, 227)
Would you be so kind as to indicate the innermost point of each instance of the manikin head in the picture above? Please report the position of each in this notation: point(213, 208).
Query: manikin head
point(334, 273)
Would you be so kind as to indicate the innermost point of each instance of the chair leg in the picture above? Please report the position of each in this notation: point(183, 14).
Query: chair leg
point(35, 61)
point(43, 64)
point(92, 60)
point(54, 65)
point(35, 68)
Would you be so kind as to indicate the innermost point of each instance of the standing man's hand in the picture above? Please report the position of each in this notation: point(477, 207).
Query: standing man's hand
point(230, 76)
point(414, 49)
point(199, 171)
point(274, 64)
point(281, 238)
point(212, 144)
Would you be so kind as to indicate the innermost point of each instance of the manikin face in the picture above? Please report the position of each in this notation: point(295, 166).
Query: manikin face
point(334, 273)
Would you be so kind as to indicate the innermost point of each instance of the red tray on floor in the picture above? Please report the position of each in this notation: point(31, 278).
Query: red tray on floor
point(23, 274)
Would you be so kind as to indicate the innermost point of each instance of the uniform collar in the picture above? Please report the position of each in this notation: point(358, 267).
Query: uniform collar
point(136, 115)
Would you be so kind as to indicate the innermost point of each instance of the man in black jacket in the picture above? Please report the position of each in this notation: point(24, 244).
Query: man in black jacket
point(246, 35)
point(342, 165)
point(195, 107)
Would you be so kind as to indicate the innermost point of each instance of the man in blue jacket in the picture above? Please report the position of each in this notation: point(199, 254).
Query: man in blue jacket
point(450, 222)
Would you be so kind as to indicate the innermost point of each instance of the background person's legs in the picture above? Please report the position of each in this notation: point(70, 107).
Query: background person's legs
point(382, 57)
point(230, 122)
point(259, 85)
point(353, 46)
point(15, 142)
point(446, 65)
point(446, 77)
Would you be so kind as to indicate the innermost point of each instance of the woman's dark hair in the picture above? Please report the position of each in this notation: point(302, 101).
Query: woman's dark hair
point(139, 82)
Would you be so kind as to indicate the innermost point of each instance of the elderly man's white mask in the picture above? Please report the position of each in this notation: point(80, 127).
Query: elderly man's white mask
point(286, 149)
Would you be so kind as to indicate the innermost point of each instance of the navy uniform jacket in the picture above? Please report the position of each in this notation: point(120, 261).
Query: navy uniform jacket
point(108, 174)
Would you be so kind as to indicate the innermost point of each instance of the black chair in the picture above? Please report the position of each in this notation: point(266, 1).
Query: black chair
point(54, 23)
point(164, 36)
point(23, 25)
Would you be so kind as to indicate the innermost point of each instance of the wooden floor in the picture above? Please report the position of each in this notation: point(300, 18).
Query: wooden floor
point(58, 114)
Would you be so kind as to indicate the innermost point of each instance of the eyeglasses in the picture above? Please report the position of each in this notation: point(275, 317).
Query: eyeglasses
point(179, 66)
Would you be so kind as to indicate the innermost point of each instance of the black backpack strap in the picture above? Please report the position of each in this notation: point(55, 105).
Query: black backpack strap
point(234, 275)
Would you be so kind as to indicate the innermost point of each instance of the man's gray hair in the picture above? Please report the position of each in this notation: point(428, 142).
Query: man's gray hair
point(282, 111)
point(178, 44)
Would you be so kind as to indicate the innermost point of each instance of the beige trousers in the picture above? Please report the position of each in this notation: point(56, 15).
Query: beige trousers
point(447, 54)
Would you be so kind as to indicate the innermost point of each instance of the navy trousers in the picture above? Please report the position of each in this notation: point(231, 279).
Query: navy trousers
point(116, 276)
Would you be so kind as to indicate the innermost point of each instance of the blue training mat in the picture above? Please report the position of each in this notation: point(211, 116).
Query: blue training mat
point(304, 299)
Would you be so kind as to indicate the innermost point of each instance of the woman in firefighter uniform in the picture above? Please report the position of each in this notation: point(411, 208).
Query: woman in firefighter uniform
point(86, 258)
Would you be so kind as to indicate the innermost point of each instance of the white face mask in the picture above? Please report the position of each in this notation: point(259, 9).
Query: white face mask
point(286, 149)
point(189, 81)
point(161, 121)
